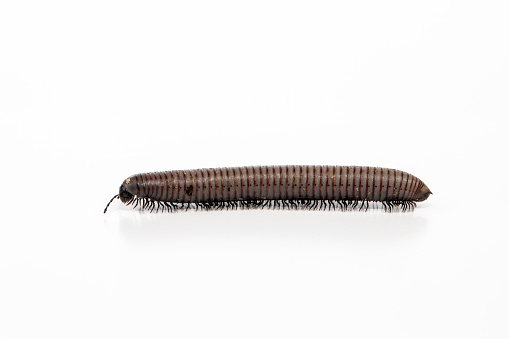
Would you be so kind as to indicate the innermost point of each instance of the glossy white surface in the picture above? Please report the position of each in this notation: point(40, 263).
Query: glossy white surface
point(91, 93)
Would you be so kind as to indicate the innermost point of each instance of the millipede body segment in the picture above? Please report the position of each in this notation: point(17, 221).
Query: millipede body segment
point(293, 187)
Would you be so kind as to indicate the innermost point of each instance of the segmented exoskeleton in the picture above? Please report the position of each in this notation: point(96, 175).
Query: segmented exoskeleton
point(292, 187)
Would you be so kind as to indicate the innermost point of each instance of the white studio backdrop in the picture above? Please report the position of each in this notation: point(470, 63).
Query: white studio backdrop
point(93, 92)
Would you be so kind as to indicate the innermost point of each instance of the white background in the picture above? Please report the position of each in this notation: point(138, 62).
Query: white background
point(94, 91)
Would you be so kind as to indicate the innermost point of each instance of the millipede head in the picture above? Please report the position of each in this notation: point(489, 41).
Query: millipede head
point(124, 195)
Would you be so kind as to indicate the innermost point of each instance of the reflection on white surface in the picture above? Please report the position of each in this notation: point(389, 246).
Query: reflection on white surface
point(328, 226)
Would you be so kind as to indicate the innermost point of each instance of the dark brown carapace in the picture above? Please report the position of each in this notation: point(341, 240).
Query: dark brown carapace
point(293, 187)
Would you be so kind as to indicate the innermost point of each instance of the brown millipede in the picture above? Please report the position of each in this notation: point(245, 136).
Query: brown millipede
point(293, 187)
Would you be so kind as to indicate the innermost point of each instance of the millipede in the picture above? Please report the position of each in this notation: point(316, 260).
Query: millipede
point(275, 187)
